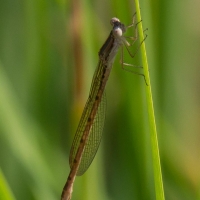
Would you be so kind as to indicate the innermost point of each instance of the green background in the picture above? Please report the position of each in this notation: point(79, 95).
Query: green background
point(48, 54)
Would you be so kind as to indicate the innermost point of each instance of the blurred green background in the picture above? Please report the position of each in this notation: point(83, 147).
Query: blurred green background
point(48, 54)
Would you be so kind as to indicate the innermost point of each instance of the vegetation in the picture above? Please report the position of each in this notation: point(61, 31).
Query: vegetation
point(48, 54)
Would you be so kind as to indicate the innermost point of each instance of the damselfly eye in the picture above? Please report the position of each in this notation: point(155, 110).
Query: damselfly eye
point(117, 32)
point(113, 20)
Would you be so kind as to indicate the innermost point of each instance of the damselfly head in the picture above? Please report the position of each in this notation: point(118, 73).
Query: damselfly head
point(114, 20)
point(118, 27)
point(117, 31)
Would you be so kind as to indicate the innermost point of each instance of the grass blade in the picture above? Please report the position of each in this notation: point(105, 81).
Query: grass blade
point(5, 191)
point(154, 141)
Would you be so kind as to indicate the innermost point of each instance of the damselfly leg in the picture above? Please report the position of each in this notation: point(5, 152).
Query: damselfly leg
point(128, 45)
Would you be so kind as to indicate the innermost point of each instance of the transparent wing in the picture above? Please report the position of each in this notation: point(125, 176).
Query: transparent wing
point(95, 131)
point(94, 138)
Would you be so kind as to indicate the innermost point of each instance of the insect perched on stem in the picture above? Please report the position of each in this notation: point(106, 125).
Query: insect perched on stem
point(90, 128)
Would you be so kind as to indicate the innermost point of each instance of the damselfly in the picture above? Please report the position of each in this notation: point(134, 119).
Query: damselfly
point(90, 128)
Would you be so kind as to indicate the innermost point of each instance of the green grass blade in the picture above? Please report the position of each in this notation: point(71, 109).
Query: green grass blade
point(154, 141)
point(5, 192)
